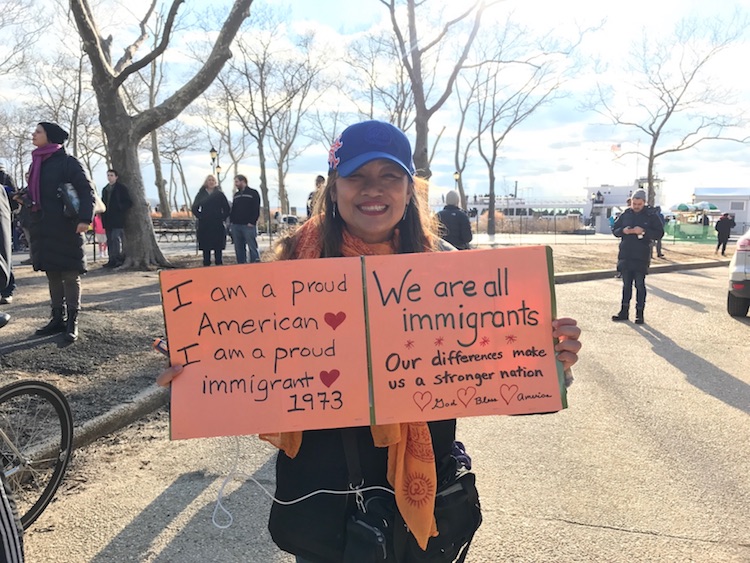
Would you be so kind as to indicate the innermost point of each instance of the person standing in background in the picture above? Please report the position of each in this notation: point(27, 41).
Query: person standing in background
point(455, 224)
point(116, 198)
point(319, 183)
point(243, 220)
point(723, 227)
point(211, 208)
point(637, 226)
point(57, 239)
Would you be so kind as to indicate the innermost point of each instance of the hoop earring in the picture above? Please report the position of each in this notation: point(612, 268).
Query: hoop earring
point(406, 209)
point(334, 210)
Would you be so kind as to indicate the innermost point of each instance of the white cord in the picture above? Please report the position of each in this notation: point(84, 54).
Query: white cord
point(233, 472)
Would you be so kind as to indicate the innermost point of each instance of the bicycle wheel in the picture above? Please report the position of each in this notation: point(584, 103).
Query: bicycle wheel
point(36, 440)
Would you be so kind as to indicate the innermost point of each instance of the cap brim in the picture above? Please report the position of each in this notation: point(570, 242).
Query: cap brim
point(351, 165)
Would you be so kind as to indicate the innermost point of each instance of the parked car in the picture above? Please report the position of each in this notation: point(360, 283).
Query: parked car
point(738, 298)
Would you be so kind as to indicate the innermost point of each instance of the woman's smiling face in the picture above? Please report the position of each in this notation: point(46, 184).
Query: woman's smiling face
point(372, 199)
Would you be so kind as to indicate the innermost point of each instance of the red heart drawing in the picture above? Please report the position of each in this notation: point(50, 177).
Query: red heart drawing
point(328, 377)
point(466, 395)
point(422, 399)
point(334, 320)
point(511, 391)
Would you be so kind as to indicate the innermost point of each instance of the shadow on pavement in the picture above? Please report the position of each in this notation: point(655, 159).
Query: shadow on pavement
point(696, 306)
point(698, 372)
point(197, 539)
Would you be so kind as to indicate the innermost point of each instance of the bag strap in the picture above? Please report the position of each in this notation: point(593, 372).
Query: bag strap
point(351, 451)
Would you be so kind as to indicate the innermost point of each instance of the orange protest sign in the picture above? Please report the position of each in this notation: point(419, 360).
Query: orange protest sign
point(266, 347)
point(328, 343)
point(464, 336)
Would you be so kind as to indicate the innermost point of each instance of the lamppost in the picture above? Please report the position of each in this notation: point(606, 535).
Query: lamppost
point(456, 177)
point(218, 174)
point(213, 154)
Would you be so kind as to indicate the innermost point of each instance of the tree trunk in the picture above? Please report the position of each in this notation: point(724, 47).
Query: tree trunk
point(264, 186)
point(140, 247)
point(165, 207)
point(491, 208)
point(124, 132)
point(650, 175)
point(283, 195)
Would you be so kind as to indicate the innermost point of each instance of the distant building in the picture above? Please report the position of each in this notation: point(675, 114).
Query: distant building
point(606, 200)
point(735, 201)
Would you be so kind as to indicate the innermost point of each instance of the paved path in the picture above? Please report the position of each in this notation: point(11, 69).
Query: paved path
point(651, 462)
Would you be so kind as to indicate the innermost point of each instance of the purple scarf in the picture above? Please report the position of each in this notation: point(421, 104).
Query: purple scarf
point(38, 156)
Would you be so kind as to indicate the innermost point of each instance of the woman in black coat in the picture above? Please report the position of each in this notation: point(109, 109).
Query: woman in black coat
point(57, 241)
point(212, 209)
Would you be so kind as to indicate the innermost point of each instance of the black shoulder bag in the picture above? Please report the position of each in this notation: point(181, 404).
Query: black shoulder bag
point(376, 532)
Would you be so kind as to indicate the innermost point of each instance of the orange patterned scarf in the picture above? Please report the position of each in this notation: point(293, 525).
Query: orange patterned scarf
point(411, 459)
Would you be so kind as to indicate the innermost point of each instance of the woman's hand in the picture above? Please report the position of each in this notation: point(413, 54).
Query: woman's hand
point(82, 228)
point(166, 376)
point(567, 332)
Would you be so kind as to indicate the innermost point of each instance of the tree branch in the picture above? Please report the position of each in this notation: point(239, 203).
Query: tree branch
point(172, 106)
point(158, 50)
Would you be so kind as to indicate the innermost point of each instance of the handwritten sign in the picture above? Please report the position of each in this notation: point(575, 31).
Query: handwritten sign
point(466, 336)
point(267, 347)
point(328, 343)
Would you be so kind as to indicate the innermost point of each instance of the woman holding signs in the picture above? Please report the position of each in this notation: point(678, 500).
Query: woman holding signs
point(373, 204)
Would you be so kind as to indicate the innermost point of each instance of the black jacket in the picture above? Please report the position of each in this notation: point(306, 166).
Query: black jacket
point(211, 209)
point(245, 207)
point(456, 227)
point(635, 253)
point(55, 245)
point(724, 227)
point(116, 198)
point(321, 464)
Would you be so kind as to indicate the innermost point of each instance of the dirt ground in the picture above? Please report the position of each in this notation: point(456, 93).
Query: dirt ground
point(113, 360)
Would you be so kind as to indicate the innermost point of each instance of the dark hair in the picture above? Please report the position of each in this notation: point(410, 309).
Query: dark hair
point(319, 179)
point(417, 230)
point(113, 172)
point(241, 178)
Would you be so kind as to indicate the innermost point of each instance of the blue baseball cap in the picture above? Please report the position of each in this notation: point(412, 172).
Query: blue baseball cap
point(367, 141)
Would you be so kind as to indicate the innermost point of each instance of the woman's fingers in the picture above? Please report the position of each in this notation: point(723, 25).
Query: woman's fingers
point(166, 376)
point(567, 332)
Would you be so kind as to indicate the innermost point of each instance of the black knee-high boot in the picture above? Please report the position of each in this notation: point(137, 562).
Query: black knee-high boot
point(71, 326)
point(623, 315)
point(639, 316)
point(56, 323)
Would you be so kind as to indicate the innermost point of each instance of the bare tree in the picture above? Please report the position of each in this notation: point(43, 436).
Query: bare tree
point(266, 82)
point(379, 82)
point(300, 89)
point(675, 96)
point(62, 93)
point(15, 136)
point(175, 139)
point(123, 130)
point(516, 77)
point(21, 24)
point(420, 56)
